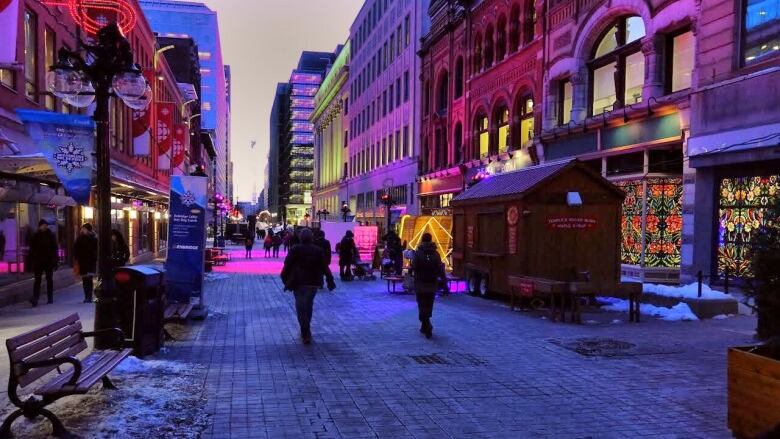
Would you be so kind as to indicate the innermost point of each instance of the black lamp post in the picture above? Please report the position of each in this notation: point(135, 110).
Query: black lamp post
point(344, 210)
point(387, 201)
point(106, 71)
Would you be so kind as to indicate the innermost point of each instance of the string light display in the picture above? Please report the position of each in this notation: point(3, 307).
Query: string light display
point(93, 15)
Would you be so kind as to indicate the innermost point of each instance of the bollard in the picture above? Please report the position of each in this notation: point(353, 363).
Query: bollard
point(726, 280)
point(699, 276)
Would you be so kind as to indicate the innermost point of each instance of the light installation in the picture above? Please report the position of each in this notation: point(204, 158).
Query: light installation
point(93, 15)
point(742, 203)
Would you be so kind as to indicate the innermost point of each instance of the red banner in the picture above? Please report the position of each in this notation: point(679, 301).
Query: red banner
point(142, 119)
point(179, 145)
point(164, 131)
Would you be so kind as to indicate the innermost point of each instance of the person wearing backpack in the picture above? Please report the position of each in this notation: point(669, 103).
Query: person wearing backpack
point(428, 272)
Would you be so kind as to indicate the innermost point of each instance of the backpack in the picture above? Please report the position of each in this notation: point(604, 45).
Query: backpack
point(427, 266)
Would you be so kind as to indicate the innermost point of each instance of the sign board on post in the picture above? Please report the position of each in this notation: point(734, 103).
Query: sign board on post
point(187, 239)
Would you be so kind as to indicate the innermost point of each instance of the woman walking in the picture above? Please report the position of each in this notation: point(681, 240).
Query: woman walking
point(120, 253)
point(85, 250)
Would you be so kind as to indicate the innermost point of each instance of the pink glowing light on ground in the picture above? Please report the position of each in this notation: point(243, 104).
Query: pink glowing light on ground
point(259, 264)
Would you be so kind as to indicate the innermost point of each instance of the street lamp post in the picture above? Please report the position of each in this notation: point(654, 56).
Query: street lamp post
point(109, 71)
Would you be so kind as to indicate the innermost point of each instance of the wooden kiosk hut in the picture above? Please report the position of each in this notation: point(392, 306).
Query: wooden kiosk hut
point(547, 230)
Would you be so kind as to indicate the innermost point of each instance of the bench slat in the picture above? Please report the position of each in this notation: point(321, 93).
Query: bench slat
point(14, 342)
point(34, 374)
point(44, 343)
point(94, 367)
point(53, 350)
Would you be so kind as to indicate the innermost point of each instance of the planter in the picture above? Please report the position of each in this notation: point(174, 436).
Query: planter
point(753, 391)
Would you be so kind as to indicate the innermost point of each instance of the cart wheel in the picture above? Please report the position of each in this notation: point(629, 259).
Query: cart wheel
point(484, 290)
point(473, 284)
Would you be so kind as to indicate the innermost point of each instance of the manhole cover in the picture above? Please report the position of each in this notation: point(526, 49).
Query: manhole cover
point(597, 347)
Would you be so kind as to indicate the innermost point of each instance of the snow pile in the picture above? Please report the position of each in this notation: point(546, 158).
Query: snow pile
point(211, 277)
point(679, 312)
point(690, 291)
point(154, 399)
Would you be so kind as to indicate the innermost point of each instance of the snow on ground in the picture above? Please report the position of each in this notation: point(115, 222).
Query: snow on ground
point(154, 399)
point(679, 312)
point(690, 291)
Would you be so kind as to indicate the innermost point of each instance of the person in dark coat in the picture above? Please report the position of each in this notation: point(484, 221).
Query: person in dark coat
point(277, 242)
point(85, 250)
point(248, 244)
point(395, 251)
point(120, 253)
point(428, 272)
point(347, 251)
point(324, 244)
point(43, 257)
point(304, 268)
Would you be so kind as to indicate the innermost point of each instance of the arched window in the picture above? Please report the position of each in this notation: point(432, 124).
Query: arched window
point(501, 118)
point(501, 38)
point(489, 47)
point(457, 143)
point(442, 93)
point(477, 54)
point(459, 78)
point(617, 67)
point(529, 23)
point(523, 130)
point(514, 29)
point(482, 136)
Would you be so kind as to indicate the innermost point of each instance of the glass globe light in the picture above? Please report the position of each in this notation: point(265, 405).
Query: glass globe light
point(129, 85)
point(64, 82)
point(140, 102)
point(83, 98)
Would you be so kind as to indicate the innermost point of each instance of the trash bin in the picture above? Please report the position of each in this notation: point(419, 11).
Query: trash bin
point(141, 307)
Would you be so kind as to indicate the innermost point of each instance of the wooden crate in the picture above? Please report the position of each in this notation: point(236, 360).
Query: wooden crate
point(753, 392)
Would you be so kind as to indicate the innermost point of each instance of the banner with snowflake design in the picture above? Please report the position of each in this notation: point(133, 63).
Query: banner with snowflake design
point(186, 238)
point(68, 143)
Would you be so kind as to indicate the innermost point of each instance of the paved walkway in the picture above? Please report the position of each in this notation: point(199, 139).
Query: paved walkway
point(487, 372)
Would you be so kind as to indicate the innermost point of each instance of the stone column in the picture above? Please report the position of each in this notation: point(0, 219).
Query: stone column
point(652, 48)
point(579, 86)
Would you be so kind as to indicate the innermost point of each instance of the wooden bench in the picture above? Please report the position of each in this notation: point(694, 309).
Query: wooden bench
point(34, 355)
point(177, 311)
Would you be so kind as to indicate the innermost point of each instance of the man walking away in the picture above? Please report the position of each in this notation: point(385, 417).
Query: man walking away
point(428, 273)
point(85, 250)
point(347, 251)
point(268, 242)
point(43, 257)
point(302, 273)
point(324, 244)
point(277, 242)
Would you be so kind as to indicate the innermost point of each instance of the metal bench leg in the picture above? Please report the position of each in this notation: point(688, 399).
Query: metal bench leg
point(59, 430)
point(5, 430)
point(108, 384)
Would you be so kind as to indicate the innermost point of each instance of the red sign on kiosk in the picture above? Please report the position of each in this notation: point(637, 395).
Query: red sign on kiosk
point(571, 223)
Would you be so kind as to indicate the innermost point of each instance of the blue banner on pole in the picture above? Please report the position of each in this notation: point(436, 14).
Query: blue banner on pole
point(186, 238)
point(68, 143)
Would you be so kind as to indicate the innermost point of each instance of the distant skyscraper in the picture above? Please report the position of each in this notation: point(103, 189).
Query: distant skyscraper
point(277, 140)
point(196, 20)
point(228, 155)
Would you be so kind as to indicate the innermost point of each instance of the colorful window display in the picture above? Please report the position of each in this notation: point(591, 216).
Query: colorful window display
point(656, 241)
point(742, 204)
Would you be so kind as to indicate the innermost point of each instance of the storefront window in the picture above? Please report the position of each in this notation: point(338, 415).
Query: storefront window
point(631, 224)
point(742, 204)
point(761, 36)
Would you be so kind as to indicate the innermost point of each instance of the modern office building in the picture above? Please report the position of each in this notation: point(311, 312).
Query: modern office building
point(278, 138)
point(196, 20)
point(228, 156)
point(384, 104)
point(296, 153)
point(331, 106)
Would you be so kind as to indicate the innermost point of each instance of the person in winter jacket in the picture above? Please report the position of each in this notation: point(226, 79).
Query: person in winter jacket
point(85, 250)
point(324, 244)
point(304, 268)
point(428, 272)
point(268, 242)
point(277, 242)
point(347, 252)
point(43, 258)
point(249, 242)
point(120, 253)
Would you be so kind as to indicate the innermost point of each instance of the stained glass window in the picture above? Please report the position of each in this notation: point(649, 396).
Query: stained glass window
point(743, 202)
point(631, 223)
point(663, 223)
point(660, 200)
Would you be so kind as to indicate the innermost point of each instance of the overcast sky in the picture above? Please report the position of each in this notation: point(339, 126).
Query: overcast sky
point(262, 40)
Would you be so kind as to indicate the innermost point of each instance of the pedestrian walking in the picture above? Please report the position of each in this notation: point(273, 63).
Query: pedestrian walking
point(347, 253)
point(43, 258)
point(277, 242)
point(428, 272)
point(324, 244)
point(268, 242)
point(286, 240)
point(394, 252)
point(85, 251)
point(303, 271)
point(120, 252)
point(248, 244)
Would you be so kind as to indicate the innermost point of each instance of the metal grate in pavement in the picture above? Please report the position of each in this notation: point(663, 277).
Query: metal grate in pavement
point(452, 359)
point(429, 359)
point(613, 348)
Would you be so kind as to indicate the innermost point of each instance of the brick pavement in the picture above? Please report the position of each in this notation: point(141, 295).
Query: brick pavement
point(500, 374)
